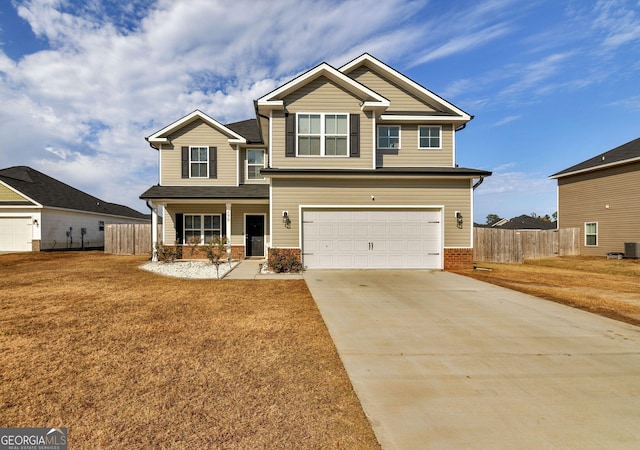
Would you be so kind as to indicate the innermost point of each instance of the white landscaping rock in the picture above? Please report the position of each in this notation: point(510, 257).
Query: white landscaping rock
point(189, 269)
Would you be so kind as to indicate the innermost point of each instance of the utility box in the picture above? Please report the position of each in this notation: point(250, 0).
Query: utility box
point(632, 250)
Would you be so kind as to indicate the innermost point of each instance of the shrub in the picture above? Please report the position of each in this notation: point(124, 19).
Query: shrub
point(284, 261)
point(165, 253)
point(216, 252)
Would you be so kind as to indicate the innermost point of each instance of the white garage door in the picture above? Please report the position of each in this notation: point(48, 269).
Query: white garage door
point(372, 239)
point(15, 234)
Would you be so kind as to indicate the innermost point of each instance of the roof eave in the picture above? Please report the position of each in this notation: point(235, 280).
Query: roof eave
point(555, 176)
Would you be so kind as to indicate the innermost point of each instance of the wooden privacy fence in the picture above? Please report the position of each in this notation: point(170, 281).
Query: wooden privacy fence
point(514, 246)
point(128, 238)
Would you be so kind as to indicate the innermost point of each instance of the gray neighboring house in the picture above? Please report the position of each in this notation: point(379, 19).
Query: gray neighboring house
point(601, 196)
point(38, 212)
point(523, 222)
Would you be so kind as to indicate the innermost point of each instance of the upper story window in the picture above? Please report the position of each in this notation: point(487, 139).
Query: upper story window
point(323, 134)
point(389, 136)
point(255, 162)
point(199, 162)
point(591, 234)
point(430, 137)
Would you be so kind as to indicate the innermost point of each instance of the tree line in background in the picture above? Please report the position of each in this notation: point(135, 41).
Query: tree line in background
point(493, 218)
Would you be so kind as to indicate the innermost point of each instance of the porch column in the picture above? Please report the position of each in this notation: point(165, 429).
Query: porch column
point(228, 215)
point(154, 232)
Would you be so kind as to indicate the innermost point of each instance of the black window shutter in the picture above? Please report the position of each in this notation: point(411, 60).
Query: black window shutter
point(179, 228)
point(290, 143)
point(354, 138)
point(213, 162)
point(185, 162)
point(223, 225)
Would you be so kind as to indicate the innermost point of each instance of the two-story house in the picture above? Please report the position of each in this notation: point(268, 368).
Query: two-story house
point(347, 168)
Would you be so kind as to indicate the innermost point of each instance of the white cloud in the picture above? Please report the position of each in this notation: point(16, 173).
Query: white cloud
point(506, 120)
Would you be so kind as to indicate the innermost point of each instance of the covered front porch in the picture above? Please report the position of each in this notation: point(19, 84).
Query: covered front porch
point(190, 224)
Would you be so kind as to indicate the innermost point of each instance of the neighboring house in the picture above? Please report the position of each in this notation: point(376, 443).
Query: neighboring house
point(345, 168)
point(523, 222)
point(38, 213)
point(601, 196)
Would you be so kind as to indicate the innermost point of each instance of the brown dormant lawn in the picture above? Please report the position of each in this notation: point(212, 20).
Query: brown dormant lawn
point(129, 359)
point(607, 287)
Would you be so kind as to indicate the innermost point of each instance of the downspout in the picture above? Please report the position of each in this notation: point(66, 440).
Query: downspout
point(478, 183)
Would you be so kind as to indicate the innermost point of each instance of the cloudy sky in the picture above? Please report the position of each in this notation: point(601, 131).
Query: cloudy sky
point(82, 82)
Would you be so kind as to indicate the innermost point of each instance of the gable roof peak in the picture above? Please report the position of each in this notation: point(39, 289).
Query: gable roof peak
point(370, 98)
point(160, 136)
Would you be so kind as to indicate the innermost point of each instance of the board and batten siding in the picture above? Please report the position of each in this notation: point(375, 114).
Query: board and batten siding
point(610, 197)
point(288, 195)
point(410, 155)
point(401, 99)
point(237, 218)
point(198, 133)
point(322, 96)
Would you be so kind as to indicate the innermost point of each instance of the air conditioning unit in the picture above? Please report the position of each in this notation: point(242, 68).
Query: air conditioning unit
point(632, 250)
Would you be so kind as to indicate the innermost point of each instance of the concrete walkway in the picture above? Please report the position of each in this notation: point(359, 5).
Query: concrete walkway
point(446, 362)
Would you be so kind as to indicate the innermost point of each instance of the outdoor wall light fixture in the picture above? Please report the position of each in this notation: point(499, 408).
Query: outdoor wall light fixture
point(35, 222)
point(285, 219)
point(459, 219)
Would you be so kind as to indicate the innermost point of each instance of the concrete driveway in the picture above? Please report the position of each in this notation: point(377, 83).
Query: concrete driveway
point(443, 361)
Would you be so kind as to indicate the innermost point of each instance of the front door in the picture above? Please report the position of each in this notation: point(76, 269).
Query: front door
point(255, 236)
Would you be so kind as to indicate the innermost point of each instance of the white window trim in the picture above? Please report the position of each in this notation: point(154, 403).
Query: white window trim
point(440, 136)
point(184, 226)
point(399, 137)
point(198, 162)
point(247, 165)
point(591, 234)
point(323, 134)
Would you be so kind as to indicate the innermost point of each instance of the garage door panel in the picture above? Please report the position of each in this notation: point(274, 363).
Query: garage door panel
point(372, 238)
point(15, 234)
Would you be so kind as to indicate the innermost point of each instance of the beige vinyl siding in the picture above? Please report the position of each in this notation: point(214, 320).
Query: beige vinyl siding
point(453, 194)
point(322, 96)
point(584, 198)
point(237, 218)
point(7, 195)
point(401, 99)
point(198, 133)
point(410, 155)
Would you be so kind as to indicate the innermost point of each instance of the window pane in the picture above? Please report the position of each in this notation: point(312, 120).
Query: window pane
point(336, 146)
point(216, 222)
point(188, 221)
point(254, 172)
point(591, 228)
point(591, 239)
point(342, 124)
point(389, 137)
point(191, 234)
point(314, 146)
point(303, 124)
point(315, 124)
point(208, 221)
point(303, 146)
point(255, 157)
point(330, 124)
